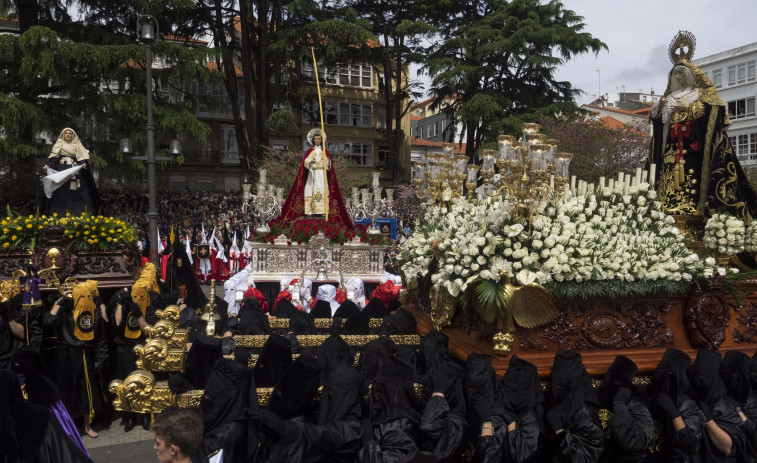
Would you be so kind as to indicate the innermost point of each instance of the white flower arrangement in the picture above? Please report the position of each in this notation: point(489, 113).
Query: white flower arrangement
point(725, 234)
point(750, 240)
point(602, 242)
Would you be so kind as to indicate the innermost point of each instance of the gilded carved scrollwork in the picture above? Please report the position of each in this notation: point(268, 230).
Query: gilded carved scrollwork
point(315, 340)
point(156, 355)
point(140, 393)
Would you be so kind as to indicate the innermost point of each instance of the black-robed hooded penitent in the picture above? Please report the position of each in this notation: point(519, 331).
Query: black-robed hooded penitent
point(77, 362)
point(524, 401)
point(346, 309)
point(574, 401)
point(392, 420)
point(229, 394)
point(704, 375)
point(322, 309)
point(669, 396)
point(9, 343)
point(30, 432)
point(200, 358)
point(629, 425)
point(484, 404)
point(443, 419)
point(273, 360)
point(734, 370)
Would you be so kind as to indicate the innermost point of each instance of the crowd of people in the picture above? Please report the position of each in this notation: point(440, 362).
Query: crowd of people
point(327, 407)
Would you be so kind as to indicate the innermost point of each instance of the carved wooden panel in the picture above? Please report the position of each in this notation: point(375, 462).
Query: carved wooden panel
point(589, 325)
point(746, 331)
point(706, 318)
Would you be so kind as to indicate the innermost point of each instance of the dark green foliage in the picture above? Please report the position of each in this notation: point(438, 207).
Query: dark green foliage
point(497, 61)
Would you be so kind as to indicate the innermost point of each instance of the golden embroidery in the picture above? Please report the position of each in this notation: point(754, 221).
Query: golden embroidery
point(604, 416)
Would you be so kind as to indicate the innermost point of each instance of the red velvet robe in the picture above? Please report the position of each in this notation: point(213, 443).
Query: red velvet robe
point(294, 206)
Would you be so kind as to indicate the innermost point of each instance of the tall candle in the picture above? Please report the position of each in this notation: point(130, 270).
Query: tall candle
point(638, 175)
point(572, 182)
point(652, 173)
point(621, 176)
point(552, 181)
point(601, 183)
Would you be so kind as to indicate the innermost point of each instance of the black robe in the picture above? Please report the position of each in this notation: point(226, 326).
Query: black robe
point(229, 394)
point(628, 424)
point(76, 195)
point(524, 401)
point(77, 362)
point(30, 432)
point(670, 379)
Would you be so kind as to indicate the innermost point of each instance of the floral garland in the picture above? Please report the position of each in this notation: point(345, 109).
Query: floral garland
point(85, 232)
point(301, 231)
point(725, 234)
point(604, 243)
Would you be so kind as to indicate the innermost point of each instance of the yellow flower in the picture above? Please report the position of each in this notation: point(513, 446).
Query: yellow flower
point(14, 238)
point(5, 231)
point(28, 225)
point(110, 239)
point(102, 234)
point(40, 227)
point(70, 236)
point(95, 240)
point(5, 245)
point(89, 241)
point(55, 214)
point(86, 232)
point(111, 232)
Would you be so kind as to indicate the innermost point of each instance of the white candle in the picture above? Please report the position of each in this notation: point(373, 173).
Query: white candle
point(638, 175)
point(612, 184)
point(572, 182)
point(552, 181)
point(644, 174)
point(621, 176)
point(652, 172)
point(591, 188)
point(601, 183)
point(262, 175)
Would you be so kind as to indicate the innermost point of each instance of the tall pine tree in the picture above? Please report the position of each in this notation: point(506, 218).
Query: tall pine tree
point(496, 62)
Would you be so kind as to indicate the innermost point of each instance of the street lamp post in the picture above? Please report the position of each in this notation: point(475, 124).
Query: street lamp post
point(147, 33)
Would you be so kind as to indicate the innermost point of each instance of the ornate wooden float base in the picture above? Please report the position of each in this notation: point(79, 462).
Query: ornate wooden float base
point(641, 328)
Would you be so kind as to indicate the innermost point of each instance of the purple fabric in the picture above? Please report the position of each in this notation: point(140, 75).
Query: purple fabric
point(33, 296)
point(68, 425)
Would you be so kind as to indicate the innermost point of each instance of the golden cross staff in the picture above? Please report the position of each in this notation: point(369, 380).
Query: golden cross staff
point(323, 134)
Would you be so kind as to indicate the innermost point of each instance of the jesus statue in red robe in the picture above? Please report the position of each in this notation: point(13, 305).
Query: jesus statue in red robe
point(315, 192)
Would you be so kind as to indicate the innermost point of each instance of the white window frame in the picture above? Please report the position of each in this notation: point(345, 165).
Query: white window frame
point(717, 78)
point(733, 108)
point(228, 145)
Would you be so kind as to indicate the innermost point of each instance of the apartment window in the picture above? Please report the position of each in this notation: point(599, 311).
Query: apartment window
point(356, 75)
point(356, 114)
point(177, 182)
point(205, 183)
point(717, 77)
point(738, 109)
point(743, 144)
point(359, 153)
point(229, 149)
point(753, 143)
point(742, 72)
point(324, 75)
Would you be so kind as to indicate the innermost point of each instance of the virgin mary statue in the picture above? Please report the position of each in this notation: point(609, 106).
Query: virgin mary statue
point(69, 184)
point(699, 174)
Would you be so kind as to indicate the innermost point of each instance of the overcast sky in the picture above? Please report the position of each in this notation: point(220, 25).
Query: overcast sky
point(638, 32)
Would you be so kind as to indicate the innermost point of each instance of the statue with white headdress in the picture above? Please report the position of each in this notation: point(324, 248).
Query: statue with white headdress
point(68, 182)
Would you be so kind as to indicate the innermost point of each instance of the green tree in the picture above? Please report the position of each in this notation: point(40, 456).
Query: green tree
point(88, 73)
point(401, 28)
point(598, 150)
point(262, 43)
point(496, 63)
